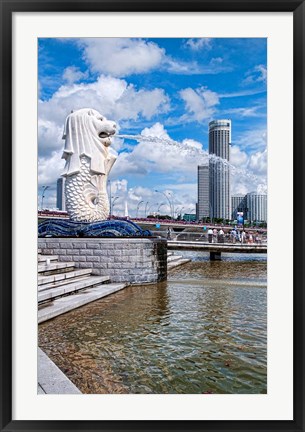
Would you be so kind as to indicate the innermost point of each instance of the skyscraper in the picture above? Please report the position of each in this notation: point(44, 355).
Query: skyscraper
point(239, 204)
point(219, 171)
point(257, 207)
point(203, 209)
point(253, 205)
point(60, 196)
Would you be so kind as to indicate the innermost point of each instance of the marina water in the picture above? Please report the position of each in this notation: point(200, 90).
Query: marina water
point(203, 331)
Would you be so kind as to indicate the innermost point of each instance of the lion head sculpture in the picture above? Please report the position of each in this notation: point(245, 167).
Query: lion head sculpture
point(88, 133)
point(89, 160)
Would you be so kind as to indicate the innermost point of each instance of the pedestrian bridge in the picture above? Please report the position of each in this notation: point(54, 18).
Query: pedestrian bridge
point(216, 249)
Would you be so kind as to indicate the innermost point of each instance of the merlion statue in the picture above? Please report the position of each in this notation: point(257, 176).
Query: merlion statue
point(89, 160)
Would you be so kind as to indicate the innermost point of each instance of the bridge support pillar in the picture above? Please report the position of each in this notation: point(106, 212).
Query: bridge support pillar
point(215, 256)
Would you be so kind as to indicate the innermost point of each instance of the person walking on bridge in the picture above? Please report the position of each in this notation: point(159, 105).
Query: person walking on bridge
point(169, 233)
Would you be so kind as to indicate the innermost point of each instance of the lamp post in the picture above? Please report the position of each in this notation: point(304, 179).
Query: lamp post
point(113, 201)
point(170, 204)
point(150, 207)
point(176, 212)
point(110, 197)
point(146, 208)
point(44, 188)
point(162, 204)
point(140, 202)
point(182, 208)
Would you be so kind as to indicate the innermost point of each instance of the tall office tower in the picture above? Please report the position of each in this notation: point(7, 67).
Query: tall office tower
point(219, 171)
point(203, 209)
point(60, 197)
point(257, 207)
point(239, 204)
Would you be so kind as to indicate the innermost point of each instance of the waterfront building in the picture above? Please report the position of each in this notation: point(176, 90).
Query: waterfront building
point(238, 204)
point(203, 207)
point(257, 207)
point(219, 171)
point(60, 196)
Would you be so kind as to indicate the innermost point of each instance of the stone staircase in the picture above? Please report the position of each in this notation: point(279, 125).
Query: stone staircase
point(175, 260)
point(62, 287)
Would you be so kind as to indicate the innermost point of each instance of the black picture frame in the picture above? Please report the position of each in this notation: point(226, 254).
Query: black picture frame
point(7, 9)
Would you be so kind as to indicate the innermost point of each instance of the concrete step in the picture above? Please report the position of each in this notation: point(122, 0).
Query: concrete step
point(65, 304)
point(173, 258)
point(69, 288)
point(170, 254)
point(44, 258)
point(177, 263)
point(39, 251)
point(51, 380)
point(55, 268)
point(51, 281)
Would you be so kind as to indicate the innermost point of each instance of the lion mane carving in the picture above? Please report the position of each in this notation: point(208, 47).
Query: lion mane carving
point(89, 160)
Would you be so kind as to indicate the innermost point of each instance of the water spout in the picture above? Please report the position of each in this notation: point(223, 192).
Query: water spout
point(202, 156)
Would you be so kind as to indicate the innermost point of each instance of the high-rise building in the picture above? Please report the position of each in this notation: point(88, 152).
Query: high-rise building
point(257, 207)
point(219, 171)
point(238, 204)
point(60, 196)
point(203, 208)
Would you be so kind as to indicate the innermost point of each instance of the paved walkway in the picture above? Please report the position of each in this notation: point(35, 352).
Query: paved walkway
point(51, 380)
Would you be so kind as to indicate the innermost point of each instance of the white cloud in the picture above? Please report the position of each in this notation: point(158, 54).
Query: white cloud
point(200, 103)
point(198, 44)
point(238, 157)
point(152, 155)
point(50, 168)
point(121, 56)
point(214, 66)
point(246, 112)
point(73, 74)
point(258, 162)
point(113, 97)
point(49, 137)
point(250, 171)
point(252, 140)
point(256, 75)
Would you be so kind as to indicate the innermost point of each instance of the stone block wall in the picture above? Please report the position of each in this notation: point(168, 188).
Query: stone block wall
point(133, 260)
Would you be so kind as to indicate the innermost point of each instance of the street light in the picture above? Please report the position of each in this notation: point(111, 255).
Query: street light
point(170, 204)
point(44, 188)
point(146, 209)
point(113, 201)
point(180, 211)
point(150, 207)
point(162, 204)
point(189, 212)
point(110, 197)
point(140, 202)
point(176, 212)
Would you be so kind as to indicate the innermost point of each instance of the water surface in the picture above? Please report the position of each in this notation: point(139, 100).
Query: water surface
point(201, 331)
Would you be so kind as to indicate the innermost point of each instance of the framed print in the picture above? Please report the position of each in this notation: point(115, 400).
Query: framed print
point(152, 215)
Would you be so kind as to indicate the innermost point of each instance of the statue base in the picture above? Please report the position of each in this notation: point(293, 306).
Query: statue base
point(106, 228)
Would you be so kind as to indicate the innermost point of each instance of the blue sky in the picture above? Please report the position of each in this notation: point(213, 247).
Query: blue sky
point(166, 88)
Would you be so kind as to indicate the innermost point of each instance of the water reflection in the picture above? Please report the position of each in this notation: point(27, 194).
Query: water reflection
point(202, 331)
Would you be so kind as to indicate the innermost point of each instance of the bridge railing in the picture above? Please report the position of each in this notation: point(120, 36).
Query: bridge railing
point(204, 238)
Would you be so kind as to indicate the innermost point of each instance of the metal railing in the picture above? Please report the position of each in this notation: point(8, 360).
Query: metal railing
point(204, 237)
